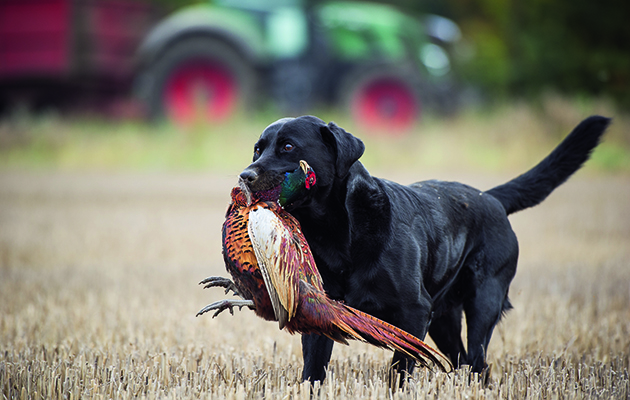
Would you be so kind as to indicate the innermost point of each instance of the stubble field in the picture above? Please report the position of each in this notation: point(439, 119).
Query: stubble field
point(98, 295)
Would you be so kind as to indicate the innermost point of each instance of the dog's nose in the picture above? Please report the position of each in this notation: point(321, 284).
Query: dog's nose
point(248, 176)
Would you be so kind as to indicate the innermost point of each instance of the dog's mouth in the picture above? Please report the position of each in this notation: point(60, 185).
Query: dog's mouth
point(269, 183)
point(265, 181)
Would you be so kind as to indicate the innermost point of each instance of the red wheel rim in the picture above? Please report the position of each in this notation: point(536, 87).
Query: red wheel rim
point(200, 90)
point(386, 103)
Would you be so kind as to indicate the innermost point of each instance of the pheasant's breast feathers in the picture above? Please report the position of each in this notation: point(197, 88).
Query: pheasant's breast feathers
point(238, 252)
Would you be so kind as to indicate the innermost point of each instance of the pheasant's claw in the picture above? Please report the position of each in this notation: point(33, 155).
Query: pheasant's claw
point(219, 281)
point(223, 305)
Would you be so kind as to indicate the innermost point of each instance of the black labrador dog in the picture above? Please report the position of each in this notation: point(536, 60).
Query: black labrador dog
point(415, 256)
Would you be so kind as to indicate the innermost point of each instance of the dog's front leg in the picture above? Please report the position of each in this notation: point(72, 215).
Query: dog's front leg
point(415, 319)
point(316, 351)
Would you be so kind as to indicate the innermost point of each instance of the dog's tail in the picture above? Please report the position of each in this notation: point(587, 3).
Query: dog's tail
point(535, 185)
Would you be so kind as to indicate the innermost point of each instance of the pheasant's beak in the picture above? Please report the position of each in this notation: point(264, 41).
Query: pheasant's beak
point(305, 167)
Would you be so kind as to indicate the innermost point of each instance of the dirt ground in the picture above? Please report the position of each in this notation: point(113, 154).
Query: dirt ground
point(109, 263)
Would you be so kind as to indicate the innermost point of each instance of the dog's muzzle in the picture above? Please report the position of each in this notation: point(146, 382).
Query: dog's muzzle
point(248, 176)
point(258, 182)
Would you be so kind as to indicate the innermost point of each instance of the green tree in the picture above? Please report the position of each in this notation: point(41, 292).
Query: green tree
point(522, 47)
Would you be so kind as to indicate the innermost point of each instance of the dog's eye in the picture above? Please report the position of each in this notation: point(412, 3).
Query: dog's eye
point(256, 151)
point(287, 147)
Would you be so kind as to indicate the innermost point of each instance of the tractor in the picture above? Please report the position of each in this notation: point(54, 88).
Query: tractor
point(383, 66)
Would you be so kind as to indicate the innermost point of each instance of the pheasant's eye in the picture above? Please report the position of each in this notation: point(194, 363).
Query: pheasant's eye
point(287, 147)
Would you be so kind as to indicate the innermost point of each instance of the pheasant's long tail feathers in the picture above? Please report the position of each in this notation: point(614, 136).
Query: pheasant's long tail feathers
point(340, 322)
point(372, 330)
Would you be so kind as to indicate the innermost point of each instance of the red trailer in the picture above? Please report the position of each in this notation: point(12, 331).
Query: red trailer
point(69, 52)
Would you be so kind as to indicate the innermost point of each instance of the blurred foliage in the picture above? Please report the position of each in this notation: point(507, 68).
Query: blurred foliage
point(525, 48)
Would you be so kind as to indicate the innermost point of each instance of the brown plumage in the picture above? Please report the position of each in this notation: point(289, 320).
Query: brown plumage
point(274, 272)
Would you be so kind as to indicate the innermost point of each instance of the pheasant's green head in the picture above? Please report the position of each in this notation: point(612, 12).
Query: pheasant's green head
point(296, 184)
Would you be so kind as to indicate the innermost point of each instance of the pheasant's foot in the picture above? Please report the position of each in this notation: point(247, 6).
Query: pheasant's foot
point(223, 305)
point(219, 281)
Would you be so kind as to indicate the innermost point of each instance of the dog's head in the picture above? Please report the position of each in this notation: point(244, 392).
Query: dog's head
point(327, 148)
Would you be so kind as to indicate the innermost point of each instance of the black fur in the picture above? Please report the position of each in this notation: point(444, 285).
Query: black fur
point(535, 185)
point(416, 256)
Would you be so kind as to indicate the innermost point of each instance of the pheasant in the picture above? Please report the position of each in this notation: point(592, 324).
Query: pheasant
point(275, 275)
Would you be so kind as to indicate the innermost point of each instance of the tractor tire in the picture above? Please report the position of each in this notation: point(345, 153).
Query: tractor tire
point(383, 99)
point(198, 79)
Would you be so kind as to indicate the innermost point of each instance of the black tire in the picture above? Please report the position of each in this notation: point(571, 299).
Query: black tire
point(227, 82)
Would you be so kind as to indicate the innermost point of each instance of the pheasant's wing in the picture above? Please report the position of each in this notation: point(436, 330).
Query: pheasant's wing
point(279, 260)
point(308, 270)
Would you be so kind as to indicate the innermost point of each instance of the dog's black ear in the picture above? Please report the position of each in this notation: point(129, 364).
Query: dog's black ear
point(347, 148)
